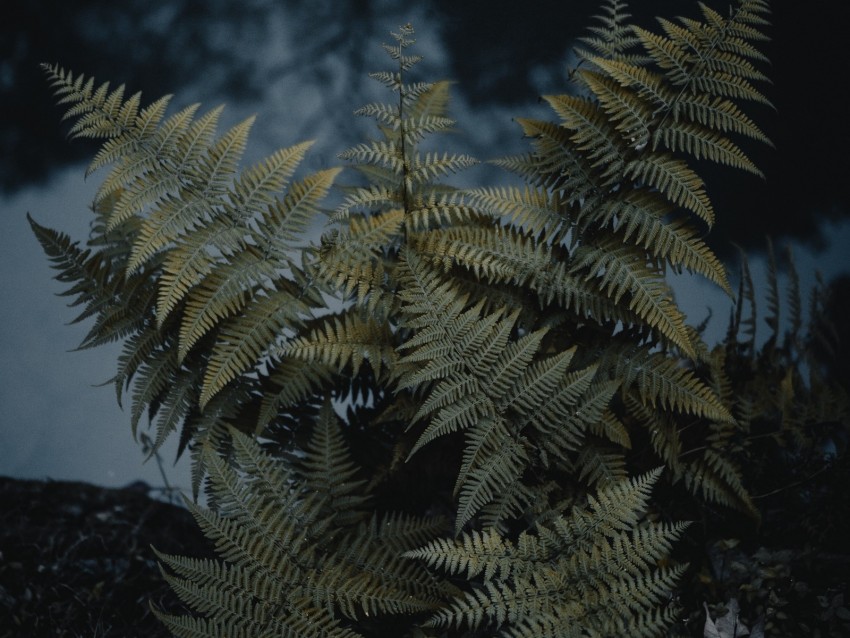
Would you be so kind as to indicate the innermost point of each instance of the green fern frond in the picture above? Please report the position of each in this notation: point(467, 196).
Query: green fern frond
point(329, 471)
point(592, 570)
point(222, 293)
point(662, 380)
point(152, 382)
point(555, 417)
point(292, 382)
point(246, 338)
point(345, 339)
point(592, 135)
point(644, 220)
point(175, 407)
point(144, 181)
point(532, 209)
point(612, 38)
point(190, 261)
point(520, 340)
point(703, 144)
point(717, 114)
point(99, 112)
point(492, 463)
point(601, 466)
point(719, 481)
point(675, 180)
point(622, 269)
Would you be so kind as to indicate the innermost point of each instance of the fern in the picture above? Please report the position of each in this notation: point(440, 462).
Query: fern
point(202, 252)
point(299, 556)
point(592, 570)
point(509, 356)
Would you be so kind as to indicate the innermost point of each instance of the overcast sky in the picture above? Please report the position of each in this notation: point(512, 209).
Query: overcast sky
point(53, 421)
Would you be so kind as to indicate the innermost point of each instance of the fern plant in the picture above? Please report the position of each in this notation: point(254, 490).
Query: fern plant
point(304, 551)
point(191, 262)
point(499, 351)
point(593, 572)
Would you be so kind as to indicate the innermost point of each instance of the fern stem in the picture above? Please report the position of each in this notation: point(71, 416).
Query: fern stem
point(803, 480)
point(405, 165)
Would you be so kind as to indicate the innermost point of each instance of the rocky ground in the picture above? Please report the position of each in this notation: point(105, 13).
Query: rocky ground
point(76, 559)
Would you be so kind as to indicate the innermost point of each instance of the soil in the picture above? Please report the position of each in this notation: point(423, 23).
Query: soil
point(76, 559)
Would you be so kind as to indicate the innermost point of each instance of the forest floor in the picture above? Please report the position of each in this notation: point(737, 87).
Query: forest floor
point(76, 559)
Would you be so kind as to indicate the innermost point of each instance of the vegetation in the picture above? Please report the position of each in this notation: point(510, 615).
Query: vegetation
point(469, 411)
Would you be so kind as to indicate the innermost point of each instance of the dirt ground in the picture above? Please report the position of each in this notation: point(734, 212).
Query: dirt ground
point(76, 559)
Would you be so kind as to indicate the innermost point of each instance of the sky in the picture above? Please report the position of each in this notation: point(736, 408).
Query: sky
point(54, 419)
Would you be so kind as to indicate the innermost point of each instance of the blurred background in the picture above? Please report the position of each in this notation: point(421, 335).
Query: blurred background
point(302, 68)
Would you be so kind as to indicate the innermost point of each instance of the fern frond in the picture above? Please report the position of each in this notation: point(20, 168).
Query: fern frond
point(329, 471)
point(601, 466)
point(176, 405)
point(476, 553)
point(675, 180)
point(246, 338)
point(423, 170)
point(648, 84)
point(555, 417)
point(592, 135)
point(717, 114)
point(661, 379)
point(612, 38)
point(343, 340)
point(220, 294)
point(593, 570)
point(257, 187)
point(190, 261)
point(621, 269)
point(532, 209)
point(703, 144)
point(643, 219)
point(492, 462)
point(719, 481)
point(152, 382)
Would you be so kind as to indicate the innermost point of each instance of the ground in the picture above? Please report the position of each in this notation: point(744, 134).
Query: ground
point(76, 559)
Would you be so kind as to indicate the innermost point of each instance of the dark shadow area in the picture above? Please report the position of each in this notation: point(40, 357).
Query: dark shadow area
point(76, 559)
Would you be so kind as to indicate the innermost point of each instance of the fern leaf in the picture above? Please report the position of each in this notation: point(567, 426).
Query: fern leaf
point(488, 474)
point(175, 407)
point(329, 470)
point(246, 338)
point(189, 262)
point(285, 222)
point(222, 293)
point(624, 270)
point(152, 382)
point(257, 186)
point(538, 384)
point(661, 379)
point(702, 143)
point(643, 218)
point(478, 552)
point(344, 340)
point(672, 177)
